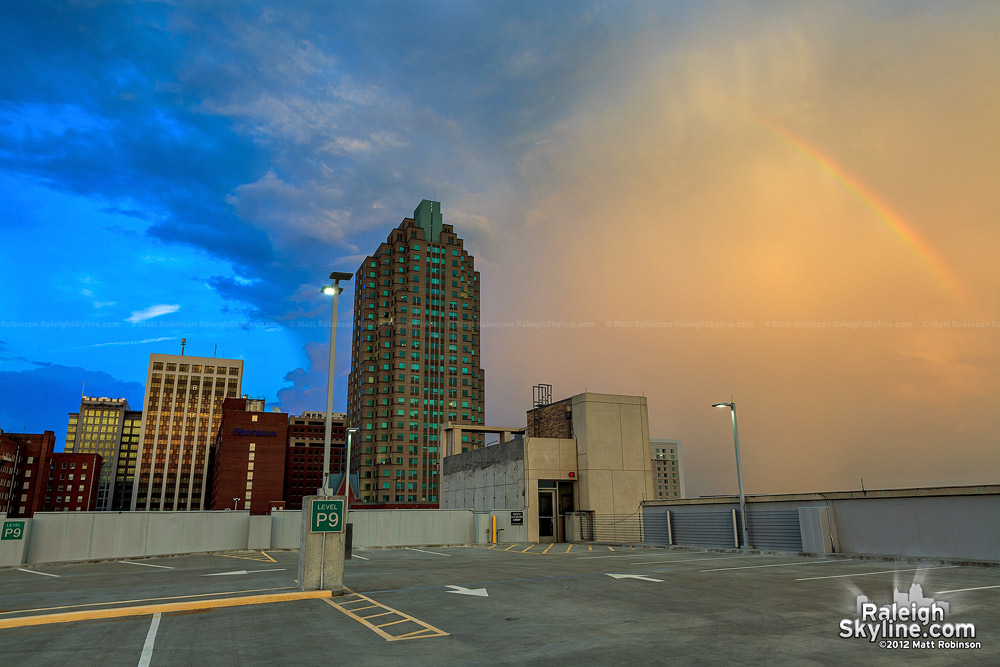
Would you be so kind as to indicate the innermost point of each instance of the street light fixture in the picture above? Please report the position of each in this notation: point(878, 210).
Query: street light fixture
point(739, 473)
point(236, 504)
point(333, 290)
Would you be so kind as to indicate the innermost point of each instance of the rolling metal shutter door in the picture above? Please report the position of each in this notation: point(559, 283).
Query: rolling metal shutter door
point(703, 529)
point(775, 530)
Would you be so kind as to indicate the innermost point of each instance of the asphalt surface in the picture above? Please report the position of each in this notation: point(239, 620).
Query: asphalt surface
point(511, 604)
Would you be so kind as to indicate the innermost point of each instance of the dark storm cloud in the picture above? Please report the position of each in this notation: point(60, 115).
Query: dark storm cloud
point(27, 397)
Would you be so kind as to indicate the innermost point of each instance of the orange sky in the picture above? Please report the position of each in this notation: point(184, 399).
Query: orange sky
point(820, 170)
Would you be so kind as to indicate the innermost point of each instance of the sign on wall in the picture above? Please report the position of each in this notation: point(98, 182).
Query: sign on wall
point(517, 518)
point(327, 516)
point(12, 530)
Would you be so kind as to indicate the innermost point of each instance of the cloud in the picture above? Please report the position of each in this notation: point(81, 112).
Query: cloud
point(132, 342)
point(151, 312)
point(62, 387)
point(309, 385)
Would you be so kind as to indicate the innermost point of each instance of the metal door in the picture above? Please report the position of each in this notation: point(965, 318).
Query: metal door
point(548, 527)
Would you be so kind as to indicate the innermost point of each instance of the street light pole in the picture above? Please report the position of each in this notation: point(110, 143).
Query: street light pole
point(347, 463)
point(236, 504)
point(739, 473)
point(335, 289)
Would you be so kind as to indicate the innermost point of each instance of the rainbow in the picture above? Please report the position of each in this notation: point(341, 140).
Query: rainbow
point(896, 224)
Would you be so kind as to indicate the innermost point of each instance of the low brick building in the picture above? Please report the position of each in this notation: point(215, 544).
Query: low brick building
point(24, 467)
point(73, 482)
point(304, 458)
point(248, 459)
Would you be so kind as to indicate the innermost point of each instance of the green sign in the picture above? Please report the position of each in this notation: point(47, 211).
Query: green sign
point(327, 516)
point(12, 530)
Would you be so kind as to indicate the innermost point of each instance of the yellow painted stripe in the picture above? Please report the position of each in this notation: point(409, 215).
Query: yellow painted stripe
point(548, 547)
point(528, 549)
point(590, 547)
point(510, 547)
point(568, 548)
point(493, 546)
point(168, 608)
point(610, 549)
point(172, 597)
point(269, 556)
point(425, 631)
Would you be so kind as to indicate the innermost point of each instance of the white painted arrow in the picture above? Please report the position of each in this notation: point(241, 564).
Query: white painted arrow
point(633, 576)
point(222, 574)
point(481, 592)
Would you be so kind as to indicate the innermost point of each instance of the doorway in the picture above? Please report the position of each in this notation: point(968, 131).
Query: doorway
point(555, 499)
point(548, 526)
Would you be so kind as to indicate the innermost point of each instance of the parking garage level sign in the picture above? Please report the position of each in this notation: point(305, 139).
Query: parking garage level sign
point(12, 530)
point(327, 516)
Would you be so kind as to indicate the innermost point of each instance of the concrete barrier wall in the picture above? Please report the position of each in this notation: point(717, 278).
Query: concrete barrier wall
point(951, 527)
point(285, 529)
point(398, 528)
point(65, 536)
point(961, 526)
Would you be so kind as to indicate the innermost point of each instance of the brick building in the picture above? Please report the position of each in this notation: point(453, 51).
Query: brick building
point(248, 459)
point(74, 481)
point(25, 457)
point(304, 458)
point(554, 420)
point(415, 359)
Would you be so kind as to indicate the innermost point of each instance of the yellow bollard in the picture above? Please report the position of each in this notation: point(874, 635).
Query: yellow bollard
point(493, 528)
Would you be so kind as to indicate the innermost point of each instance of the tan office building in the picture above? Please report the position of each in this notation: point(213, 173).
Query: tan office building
point(668, 470)
point(107, 426)
point(182, 410)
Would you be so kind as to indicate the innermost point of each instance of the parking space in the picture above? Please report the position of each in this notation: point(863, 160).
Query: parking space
point(558, 604)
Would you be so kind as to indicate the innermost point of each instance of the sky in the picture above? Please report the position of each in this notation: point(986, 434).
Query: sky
point(787, 204)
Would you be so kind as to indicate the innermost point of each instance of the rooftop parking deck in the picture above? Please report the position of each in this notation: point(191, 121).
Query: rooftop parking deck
point(505, 604)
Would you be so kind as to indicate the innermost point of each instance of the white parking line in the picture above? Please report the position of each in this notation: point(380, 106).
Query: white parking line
point(147, 648)
point(688, 560)
point(37, 572)
point(357, 556)
point(752, 567)
point(962, 590)
point(608, 556)
point(428, 552)
point(865, 574)
point(165, 567)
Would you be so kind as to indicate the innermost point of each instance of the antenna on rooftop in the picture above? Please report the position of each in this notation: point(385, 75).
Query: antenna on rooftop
point(216, 351)
point(541, 394)
point(183, 344)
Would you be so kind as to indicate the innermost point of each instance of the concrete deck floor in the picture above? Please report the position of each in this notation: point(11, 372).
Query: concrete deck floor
point(553, 604)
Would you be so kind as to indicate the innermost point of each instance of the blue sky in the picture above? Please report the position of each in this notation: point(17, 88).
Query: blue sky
point(197, 169)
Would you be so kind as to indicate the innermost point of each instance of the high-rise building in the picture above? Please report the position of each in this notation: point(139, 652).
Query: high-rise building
point(415, 361)
point(107, 426)
point(182, 409)
point(668, 472)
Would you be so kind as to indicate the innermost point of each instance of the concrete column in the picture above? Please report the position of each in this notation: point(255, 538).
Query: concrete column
point(456, 440)
point(504, 436)
point(321, 555)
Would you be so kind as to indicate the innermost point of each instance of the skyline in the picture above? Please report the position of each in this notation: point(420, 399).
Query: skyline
point(793, 205)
